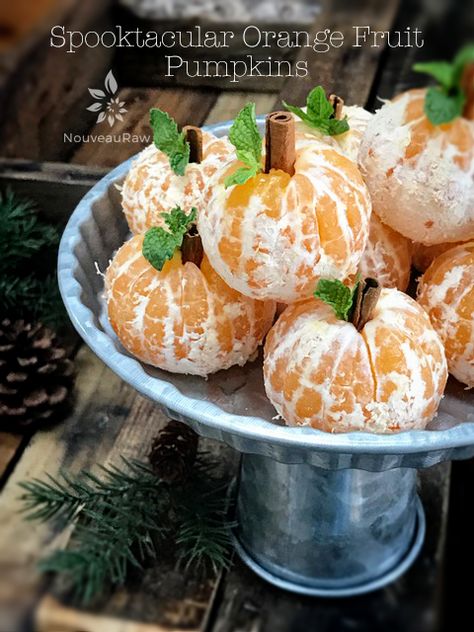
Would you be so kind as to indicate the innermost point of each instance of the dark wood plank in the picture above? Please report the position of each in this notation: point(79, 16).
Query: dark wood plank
point(133, 134)
point(55, 187)
point(109, 421)
point(347, 71)
point(435, 20)
point(9, 445)
point(249, 604)
point(44, 91)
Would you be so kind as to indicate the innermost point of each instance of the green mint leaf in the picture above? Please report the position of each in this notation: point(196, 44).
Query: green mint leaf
point(170, 140)
point(319, 113)
point(299, 112)
point(240, 176)
point(318, 105)
point(177, 220)
point(337, 295)
point(159, 245)
point(245, 137)
point(338, 126)
point(442, 71)
point(249, 159)
point(443, 108)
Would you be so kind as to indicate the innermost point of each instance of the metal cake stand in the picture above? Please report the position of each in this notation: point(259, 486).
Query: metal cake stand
point(318, 513)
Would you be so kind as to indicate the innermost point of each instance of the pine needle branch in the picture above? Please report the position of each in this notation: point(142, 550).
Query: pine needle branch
point(23, 234)
point(124, 515)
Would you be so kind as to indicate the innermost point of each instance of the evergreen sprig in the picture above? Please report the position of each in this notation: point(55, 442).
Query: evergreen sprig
point(445, 102)
point(124, 517)
point(23, 234)
point(28, 244)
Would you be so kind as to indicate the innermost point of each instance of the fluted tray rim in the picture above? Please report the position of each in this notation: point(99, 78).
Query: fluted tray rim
point(256, 432)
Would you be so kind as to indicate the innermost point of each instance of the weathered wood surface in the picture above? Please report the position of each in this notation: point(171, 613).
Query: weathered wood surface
point(41, 94)
point(186, 106)
point(193, 107)
point(349, 72)
point(110, 421)
point(10, 445)
point(56, 188)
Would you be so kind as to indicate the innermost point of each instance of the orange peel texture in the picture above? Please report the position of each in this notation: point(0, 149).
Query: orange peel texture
point(275, 235)
point(387, 256)
point(446, 292)
point(321, 372)
point(420, 176)
point(152, 188)
point(184, 319)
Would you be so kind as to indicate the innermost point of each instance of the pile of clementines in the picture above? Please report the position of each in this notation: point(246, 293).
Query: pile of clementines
point(321, 221)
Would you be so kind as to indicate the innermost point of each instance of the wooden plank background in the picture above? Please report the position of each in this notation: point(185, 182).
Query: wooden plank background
point(110, 419)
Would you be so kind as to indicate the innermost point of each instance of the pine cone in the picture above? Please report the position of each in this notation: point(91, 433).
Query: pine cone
point(173, 452)
point(35, 375)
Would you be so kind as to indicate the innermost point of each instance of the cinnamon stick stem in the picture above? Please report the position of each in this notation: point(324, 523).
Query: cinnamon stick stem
point(467, 83)
point(194, 138)
point(192, 249)
point(280, 142)
point(337, 103)
point(366, 298)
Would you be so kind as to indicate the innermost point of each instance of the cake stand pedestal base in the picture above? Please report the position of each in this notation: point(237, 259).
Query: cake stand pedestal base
point(327, 532)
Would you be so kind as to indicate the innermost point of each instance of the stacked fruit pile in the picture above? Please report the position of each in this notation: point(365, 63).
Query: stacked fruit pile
point(225, 230)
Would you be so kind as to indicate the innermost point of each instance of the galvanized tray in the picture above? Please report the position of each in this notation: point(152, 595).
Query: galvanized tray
point(231, 406)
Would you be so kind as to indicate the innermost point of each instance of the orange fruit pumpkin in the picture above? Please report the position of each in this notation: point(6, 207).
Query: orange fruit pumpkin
point(349, 141)
point(152, 188)
point(420, 176)
point(184, 319)
point(446, 292)
point(387, 256)
point(275, 235)
point(322, 372)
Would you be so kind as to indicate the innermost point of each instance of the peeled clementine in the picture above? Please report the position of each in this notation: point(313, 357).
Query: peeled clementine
point(275, 235)
point(152, 188)
point(446, 292)
point(322, 372)
point(184, 319)
point(420, 176)
point(349, 141)
point(387, 256)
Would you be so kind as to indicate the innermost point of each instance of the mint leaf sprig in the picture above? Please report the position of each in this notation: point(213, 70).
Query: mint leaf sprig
point(245, 137)
point(445, 102)
point(338, 296)
point(170, 140)
point(159, 245)
point(320, 113)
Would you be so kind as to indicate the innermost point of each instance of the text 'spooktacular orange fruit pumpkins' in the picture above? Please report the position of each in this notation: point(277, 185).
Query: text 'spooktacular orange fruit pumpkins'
point(171, 310)
point(355, 361)
point(446, 292)
point(271, 233)
point(417, 157)
point(170, 172)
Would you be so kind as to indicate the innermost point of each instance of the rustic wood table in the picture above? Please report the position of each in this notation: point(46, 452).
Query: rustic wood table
point(110, 420)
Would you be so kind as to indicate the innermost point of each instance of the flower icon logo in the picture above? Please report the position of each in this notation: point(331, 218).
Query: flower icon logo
point(107, 105)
